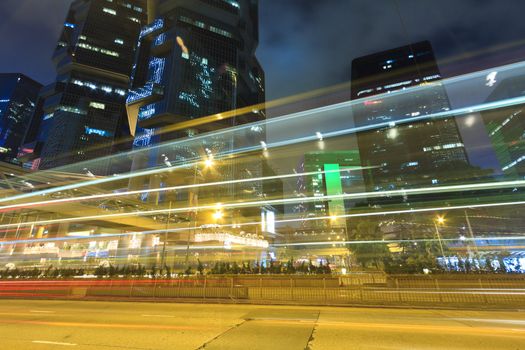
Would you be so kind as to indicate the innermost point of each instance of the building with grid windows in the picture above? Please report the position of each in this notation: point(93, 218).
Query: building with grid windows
point(18, 98)
point(399, 145)
point(196, 59)
point(196, 72)
point(84, 109)
point(506, 127)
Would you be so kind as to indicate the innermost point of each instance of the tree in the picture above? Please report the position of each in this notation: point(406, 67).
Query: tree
point(235, 268)
point(215, 269)
point(290, 269)
point(153, 273)
point(200, 267)
point(372, 252)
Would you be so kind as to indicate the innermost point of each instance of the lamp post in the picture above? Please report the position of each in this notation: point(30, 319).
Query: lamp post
point(439, 220)
point(208, 163)
point(163, 257)
point(471, 234)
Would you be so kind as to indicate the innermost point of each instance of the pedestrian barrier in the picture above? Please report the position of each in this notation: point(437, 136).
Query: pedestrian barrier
point(423, 291)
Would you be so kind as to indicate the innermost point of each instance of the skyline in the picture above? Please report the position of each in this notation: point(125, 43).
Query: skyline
point(294, 56)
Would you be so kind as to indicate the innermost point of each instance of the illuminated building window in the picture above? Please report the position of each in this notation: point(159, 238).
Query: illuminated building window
point(93, 86)
point(71, 109)
point(221, 32)
point(505, 122)
point(110, 11)
point(440, 147)
point(97, 105)
point(202, 25)
point(156, 25)
point(93, 131)
point(147, 111)
point(513, 164)
point(190, 98)
point(98, 49)
point(233, 3)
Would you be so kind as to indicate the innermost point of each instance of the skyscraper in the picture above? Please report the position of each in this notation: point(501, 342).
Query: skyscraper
point(18, 97)
point(195, 71)
point(196, 59)
point(84, 109)
point(407, 152)
point(339, 172)
point(506, 127)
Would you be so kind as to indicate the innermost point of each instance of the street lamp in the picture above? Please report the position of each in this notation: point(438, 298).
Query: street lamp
point(208, 162)
point(218, 215)
point(439, 220)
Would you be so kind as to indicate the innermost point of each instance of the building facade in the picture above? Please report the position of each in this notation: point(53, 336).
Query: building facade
point(196, 72)
point(506, 127)
point(328, 175)
point(18, 100)
point(84, 109)
point(400, 146)
point(196, 59)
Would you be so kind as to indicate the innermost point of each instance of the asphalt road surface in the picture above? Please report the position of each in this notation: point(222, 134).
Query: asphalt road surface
point(45, 325)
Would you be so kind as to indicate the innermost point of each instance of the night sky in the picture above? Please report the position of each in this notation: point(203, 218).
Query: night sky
point(310, 44)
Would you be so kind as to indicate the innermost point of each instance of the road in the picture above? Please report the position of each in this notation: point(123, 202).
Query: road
point(46, 325)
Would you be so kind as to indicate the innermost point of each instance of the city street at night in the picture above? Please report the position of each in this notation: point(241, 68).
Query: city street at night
point(105, 325)
point(262, 174)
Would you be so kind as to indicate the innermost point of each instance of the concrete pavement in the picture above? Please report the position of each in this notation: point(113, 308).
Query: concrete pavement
point(45, 325)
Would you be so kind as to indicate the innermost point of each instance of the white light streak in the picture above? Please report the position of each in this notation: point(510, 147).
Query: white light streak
point(344, 106)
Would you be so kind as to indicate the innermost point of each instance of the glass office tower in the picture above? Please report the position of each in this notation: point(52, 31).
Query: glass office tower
point(409, 149)
point(506, 127)
point(84, 109)
point(196, 72)
point(196, 59)
point(18, 97)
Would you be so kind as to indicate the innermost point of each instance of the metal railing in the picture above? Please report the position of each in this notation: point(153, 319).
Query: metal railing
point(423, 291)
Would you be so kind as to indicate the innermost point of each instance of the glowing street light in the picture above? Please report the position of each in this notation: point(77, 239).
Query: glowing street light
point(218, 215)
point(208, 162)
point(440, 220)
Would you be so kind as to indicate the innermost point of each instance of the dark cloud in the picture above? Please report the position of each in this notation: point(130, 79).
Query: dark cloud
point(319, 39)
point(29, 30)
point(309, 44)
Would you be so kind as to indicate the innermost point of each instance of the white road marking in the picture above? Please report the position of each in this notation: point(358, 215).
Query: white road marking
point(52, 343)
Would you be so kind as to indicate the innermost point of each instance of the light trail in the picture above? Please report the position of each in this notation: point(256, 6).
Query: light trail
point(166, 189)
point(183, 247)
point(388, 241)
point(461, 330)
point(452, 188)
point(312, 137)
point(422, 190)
